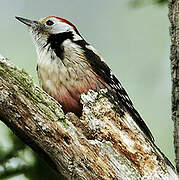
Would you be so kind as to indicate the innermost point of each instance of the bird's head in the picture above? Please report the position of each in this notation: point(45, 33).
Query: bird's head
point(50, 26)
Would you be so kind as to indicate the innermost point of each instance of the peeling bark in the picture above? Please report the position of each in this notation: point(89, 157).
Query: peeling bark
point(174, 33)
point(102, 144)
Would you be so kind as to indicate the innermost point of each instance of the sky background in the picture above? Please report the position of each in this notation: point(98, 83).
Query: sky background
point(133, 41)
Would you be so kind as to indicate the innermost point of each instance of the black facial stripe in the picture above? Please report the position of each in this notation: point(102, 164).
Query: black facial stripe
point(56, 40)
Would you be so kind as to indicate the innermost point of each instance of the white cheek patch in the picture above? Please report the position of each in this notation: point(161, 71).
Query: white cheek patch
point(60, 27)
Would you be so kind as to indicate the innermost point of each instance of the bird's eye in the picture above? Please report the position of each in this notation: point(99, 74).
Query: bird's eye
point(49, 23)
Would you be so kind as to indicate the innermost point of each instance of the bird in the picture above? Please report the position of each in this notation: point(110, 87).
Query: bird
point(68, 66)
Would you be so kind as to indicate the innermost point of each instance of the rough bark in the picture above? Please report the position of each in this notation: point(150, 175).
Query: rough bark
point(174, 32)
point(102, 144)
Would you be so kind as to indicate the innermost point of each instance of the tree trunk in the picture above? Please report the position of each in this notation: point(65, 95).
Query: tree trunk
point(174, 32)
point(102, 144)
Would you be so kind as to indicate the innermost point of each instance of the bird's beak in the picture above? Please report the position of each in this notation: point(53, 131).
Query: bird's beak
point(28, 22)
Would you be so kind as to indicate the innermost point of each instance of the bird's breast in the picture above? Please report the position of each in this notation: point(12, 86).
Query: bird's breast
point(66, 80)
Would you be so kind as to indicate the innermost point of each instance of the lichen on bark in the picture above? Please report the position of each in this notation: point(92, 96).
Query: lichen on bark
point(101, 144)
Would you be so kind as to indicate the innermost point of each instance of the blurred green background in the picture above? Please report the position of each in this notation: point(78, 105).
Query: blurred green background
point(133, 38)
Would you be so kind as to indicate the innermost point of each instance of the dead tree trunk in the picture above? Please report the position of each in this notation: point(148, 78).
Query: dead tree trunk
point(174, 32)
point(102, 144)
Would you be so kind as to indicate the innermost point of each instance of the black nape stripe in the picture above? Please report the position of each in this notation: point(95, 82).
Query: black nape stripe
point(56, 40)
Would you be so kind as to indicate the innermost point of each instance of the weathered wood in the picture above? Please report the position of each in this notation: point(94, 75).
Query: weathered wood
point(174, 57)
point(102, 144)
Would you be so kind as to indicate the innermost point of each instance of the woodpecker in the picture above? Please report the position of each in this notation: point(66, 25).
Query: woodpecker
point(68, 66)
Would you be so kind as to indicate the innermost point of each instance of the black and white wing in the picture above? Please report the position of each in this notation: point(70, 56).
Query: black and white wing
point(101, 69)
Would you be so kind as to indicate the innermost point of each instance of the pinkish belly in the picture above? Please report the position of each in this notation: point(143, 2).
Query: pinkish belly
point(68, 95)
